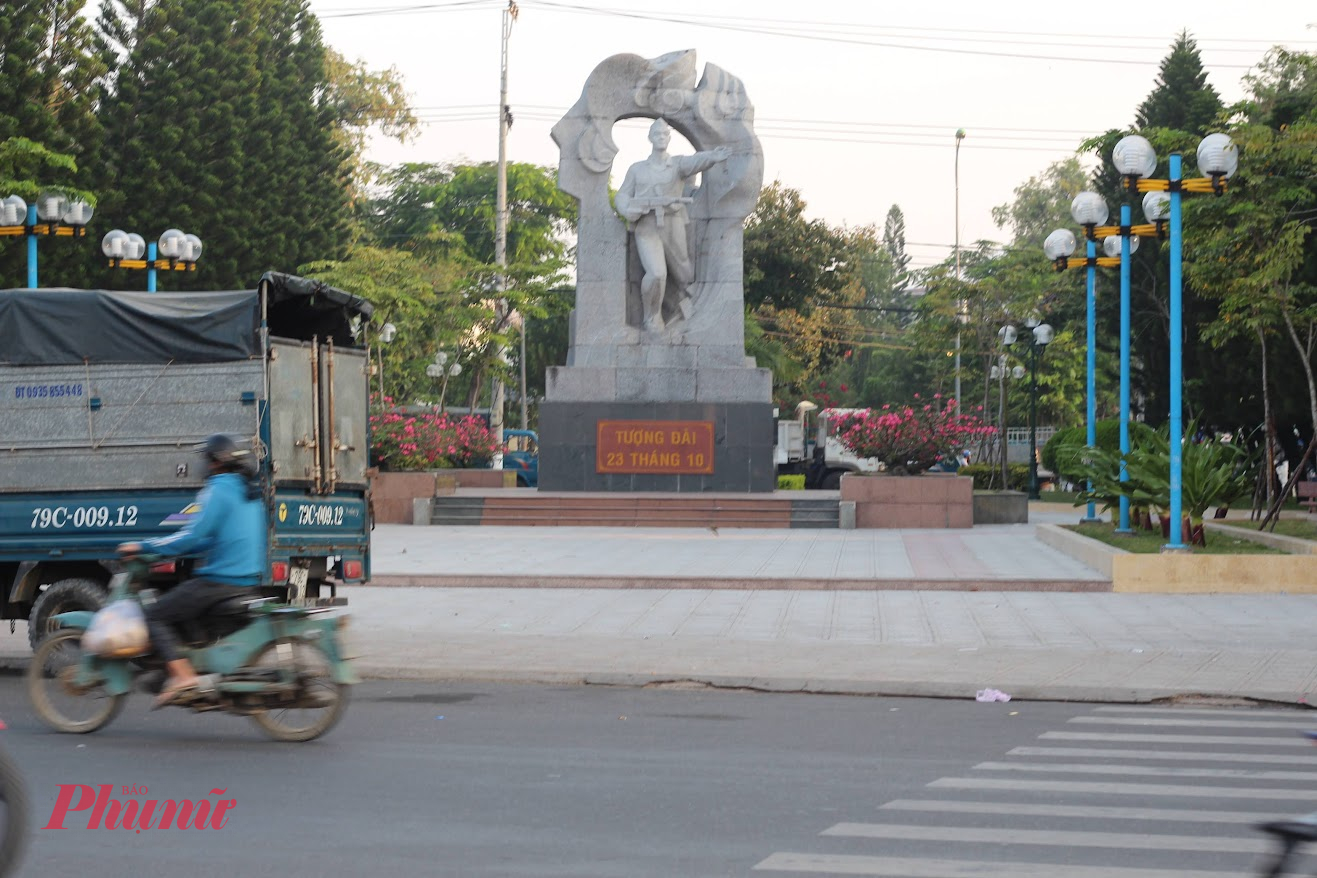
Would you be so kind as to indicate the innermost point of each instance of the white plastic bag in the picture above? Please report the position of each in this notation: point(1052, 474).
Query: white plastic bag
point(118, 630)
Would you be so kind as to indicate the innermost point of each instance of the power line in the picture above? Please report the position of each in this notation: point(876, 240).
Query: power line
point(590, 10)
point(917, 32)
point(455, 5)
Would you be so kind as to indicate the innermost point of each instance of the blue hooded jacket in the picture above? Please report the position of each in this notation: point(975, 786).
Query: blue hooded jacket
point(229, 532)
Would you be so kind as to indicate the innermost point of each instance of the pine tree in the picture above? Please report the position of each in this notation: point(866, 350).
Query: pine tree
point(216, 126)
point(1182, 98)
point(50, 66)
point(894, 243)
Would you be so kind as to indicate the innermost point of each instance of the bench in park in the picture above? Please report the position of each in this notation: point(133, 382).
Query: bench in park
point(1307, 491)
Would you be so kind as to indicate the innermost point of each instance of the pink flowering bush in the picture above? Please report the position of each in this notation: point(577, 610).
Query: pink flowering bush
point(908, 439)
point(401, 441)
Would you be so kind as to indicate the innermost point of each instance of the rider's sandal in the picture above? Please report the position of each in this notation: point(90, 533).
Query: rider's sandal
point(175, 695)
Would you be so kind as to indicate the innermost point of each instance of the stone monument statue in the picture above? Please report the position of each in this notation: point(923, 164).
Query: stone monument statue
point(658, 331)
point(653, 199)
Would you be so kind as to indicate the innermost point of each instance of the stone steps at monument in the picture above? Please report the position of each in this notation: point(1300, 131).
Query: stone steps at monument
point(528, 509)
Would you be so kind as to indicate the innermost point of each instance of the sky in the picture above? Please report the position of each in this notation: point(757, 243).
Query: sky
point(856, 101)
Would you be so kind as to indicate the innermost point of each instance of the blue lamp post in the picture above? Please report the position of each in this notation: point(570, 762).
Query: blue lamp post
point(180, 252)
point(52, 215)
point(1088, 210)
point(1218, 159)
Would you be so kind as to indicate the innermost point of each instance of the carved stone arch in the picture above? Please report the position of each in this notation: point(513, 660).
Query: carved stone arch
point(713, 112)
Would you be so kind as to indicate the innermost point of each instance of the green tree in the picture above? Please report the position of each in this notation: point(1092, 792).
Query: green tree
point(49, 64)
point(1179, 110)
point(1253, 250)
point(458, 202)
point(1042, 203)
point(791, 262)
point(1182, 99)
point(362, 100)
point(219, 122)
point(894, 244)
point(420, 292)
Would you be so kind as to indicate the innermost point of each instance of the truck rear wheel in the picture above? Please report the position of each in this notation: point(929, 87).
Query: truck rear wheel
point(62, 597)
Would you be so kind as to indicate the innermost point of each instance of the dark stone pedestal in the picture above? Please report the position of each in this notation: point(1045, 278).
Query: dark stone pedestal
point(743, 437)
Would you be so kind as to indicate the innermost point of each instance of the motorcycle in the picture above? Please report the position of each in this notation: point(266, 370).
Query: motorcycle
point(282, 665)
point(1290, 835)
point(13, 815)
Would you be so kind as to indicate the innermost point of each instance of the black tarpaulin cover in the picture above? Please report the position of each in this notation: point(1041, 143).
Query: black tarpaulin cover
point(64, 326)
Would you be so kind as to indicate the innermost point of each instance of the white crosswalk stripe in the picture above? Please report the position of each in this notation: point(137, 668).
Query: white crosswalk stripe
point(908, 867)
point(1093, 806)
point(1173, 755)
point(1103, 812)
point(1148, 771)
point(1197, 740)
point(1294, 725)
point(995, 835)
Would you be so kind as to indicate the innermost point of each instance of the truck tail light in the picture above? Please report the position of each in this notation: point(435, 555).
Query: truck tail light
point(352, 570)
point(279, 571)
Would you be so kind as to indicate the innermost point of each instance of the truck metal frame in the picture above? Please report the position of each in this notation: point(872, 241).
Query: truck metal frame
point(104, 395)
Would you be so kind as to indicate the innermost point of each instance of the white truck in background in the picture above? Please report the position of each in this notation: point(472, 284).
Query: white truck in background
point(806, 445)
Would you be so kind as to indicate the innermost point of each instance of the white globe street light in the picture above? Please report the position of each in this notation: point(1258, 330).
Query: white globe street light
point(1218, 156)
point(1059, 245)
point(1134, 157)
point(1088, 209)
point(13, 211)
point(79, 213)
point(172, 244)
point(51, 207)
point(115, 244)
point(1157, 206)
point(1111, 245)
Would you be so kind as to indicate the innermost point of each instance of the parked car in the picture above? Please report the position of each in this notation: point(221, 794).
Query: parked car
point(521, 454)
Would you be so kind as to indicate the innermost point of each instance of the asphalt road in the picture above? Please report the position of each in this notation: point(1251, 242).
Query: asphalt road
point(503, 780)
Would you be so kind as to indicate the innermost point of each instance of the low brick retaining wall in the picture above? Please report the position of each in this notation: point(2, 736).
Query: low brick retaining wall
point(394, 494)
point(931, 500)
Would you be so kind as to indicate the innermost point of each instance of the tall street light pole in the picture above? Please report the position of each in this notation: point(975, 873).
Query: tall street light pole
point(960, 135)
point(501, 229)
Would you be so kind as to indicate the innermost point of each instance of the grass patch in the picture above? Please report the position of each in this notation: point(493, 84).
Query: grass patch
point(1151, 542)
point(1067, 497)
point(1286, 527)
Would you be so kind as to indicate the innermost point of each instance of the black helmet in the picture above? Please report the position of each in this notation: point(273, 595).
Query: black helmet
point(225, 452)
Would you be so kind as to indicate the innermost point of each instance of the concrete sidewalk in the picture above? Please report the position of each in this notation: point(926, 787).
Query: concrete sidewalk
point(933, 613)
point(989, 557)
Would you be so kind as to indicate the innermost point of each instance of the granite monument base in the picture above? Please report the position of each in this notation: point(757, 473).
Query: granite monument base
point(743, 435)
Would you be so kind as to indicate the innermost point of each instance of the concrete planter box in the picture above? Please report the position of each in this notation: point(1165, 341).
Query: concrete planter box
point(1188, 573)
point(394, 494)
point(925, 501)
point(1001, 507)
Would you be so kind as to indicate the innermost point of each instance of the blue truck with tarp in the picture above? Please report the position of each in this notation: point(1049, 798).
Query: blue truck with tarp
point(104, 395)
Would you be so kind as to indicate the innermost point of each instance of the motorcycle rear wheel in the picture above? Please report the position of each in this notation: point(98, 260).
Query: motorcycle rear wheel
point(13, 817)
point(57, 702)
point(312, 666)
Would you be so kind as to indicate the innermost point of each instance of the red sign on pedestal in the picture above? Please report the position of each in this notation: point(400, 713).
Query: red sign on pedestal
point(655, 447)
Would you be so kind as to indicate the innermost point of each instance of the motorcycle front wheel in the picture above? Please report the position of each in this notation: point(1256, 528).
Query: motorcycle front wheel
point(318, 702)
point(13, 817)
point(59, 703)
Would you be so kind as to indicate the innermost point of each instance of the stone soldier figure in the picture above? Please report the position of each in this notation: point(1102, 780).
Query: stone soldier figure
point(652, 199)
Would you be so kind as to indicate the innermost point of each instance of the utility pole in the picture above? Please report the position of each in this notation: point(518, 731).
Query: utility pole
point(501, 233)
point(960, 135)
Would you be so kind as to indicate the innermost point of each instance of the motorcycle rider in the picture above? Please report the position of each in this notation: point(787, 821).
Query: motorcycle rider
point(229, 532)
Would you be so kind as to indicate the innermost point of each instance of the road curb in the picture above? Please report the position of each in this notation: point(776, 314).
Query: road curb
point(722, 584)
point(788, 685)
